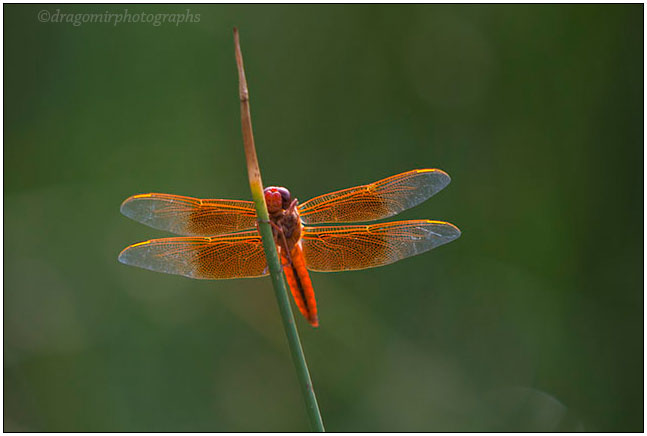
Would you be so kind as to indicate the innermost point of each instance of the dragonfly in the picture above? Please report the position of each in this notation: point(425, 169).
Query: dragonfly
point(220, 238)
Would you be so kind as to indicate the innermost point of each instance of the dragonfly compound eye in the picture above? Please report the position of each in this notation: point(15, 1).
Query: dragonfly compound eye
point(285, 196)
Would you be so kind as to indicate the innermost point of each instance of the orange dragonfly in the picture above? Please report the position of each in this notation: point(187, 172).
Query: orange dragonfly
point(221, 241)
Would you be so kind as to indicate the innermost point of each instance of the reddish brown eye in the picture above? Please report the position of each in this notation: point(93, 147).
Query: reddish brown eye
point(273, 199)
point(285, 196)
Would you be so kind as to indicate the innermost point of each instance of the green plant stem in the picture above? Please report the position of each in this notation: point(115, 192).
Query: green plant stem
point(276, 271)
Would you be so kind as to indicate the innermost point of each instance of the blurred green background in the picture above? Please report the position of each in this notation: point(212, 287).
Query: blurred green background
point(532, 320)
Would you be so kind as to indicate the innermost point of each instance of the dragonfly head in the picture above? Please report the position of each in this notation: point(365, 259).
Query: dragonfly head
point(277, 198)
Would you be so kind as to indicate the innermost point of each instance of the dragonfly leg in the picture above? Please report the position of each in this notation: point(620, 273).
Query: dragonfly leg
point(267, 268)
point(292, 206)
point(275, 227)
point(282, 243)
point(285, 247)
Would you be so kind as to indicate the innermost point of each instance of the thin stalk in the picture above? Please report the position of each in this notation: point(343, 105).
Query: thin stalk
point(276, 271)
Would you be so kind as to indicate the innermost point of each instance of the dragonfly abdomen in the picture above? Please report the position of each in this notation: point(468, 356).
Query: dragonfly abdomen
point(300, 285)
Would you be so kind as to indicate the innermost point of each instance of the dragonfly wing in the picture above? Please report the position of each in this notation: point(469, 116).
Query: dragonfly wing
point(190, 216)
point(229, 256)
point(340, 248)
point(378, 200)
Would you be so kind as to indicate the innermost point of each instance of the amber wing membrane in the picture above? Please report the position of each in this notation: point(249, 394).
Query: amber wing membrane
point(351, 247)
point(229, 256)
point(190, 216)
point(378, 200)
